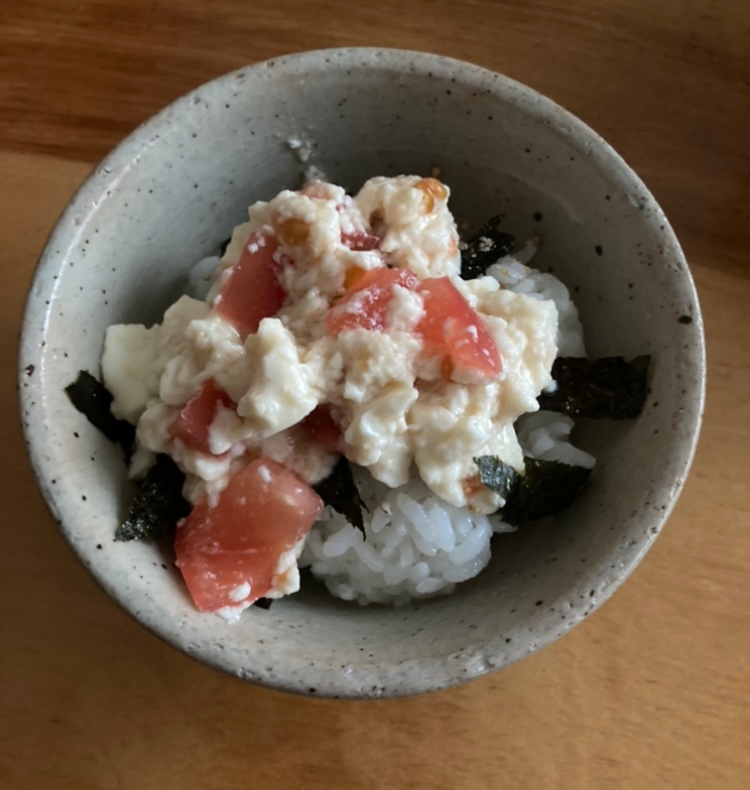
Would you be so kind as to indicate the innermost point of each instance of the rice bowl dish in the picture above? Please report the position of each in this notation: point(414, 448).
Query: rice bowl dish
point(122, 252)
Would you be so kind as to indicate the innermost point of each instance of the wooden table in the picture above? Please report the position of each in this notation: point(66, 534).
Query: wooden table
point(651, 692)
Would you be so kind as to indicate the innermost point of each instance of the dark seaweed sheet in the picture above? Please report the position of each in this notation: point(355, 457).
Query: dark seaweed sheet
point(608, 387)
point(484, 248)
point(340, 492)
point(158, 503)
point(497, 475)
point(93, 400)
point(544, 489)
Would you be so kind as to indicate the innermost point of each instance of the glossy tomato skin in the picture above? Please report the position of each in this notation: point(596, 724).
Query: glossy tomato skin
point(365, 304)
point(264, 511)
point(450, 328)
point(192, 424)
point(252, 291)
point(453, 331)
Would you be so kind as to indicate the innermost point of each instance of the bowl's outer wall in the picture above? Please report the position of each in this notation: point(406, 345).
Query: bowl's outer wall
point(173, 191)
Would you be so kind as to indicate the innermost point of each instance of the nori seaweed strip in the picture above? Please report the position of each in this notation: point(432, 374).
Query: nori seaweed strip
point(545, 487)
point(264, 603)
point(223, 247)
point(484, 248)
point(339, 491)
point(158, 503)
point(497, 475)
point(93, 400)
point(608, 387)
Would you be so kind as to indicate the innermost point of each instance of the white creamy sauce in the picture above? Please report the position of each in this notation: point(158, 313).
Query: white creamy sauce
point(425, 241)
point(396, 412)
point(286, 578)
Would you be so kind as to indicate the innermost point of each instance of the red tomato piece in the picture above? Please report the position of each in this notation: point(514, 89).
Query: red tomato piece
point(192, 423)
point(252, 291)
point(451, 329)
point(263, 512)
point(360, 241)
point(366, 302)
point(323, 429)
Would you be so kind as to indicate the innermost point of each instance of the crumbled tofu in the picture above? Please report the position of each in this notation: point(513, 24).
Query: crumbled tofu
point(396, 409)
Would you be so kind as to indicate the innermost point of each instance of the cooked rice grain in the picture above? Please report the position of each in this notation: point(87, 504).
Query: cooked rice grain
point(415, 545)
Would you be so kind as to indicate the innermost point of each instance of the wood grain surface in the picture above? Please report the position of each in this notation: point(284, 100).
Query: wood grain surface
point(651, 692)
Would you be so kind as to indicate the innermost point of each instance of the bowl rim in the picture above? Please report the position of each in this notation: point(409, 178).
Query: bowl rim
point(436, 673)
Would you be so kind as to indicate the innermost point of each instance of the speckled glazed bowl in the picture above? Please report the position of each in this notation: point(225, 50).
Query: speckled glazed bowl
point(173, 190)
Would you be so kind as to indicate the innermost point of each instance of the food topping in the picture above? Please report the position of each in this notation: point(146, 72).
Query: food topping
point(158, 503)
point(485, 248)
point(193, 422)
point(252, 290)
point(608, 387)
point(355, 303)
point(238, 550)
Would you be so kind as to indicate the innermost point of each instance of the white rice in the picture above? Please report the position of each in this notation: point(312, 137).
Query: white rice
point(415, 545)
point(546, 435)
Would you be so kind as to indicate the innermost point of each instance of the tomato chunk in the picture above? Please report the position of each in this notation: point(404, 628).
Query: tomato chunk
point(192, 423)
point(323, 429)
point(452, 330)
point(360, 241)
point(366, 301)
point(228, 553)
point(252, 291)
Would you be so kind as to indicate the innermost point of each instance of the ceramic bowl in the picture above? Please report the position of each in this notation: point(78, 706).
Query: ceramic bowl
point(173, 190)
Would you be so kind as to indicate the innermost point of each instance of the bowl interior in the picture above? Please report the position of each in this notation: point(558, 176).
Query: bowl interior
point(173, 191)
